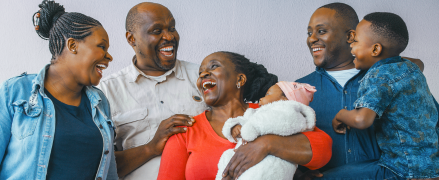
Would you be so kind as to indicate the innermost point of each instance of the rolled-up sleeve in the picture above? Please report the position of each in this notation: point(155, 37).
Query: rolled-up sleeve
point(321, 145)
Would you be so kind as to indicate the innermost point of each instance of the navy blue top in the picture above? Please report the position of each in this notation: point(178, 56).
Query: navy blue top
point(77, 144)
point(354, 146)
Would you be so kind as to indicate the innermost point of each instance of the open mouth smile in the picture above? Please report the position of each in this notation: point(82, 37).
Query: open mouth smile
point(208, 85)
point(167, 51)
point(100, 68)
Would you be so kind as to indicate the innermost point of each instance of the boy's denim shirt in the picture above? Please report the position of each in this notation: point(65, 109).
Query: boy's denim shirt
point(405, 127)
point(27, 127)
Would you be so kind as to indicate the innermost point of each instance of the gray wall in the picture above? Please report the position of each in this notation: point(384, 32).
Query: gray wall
point(266, 31)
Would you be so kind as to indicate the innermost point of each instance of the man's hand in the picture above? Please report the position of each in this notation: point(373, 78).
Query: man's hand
point(417, 62)
point(246, 156)
point(236, 132)
point(167, 128)
point(338, 126)
point(130, 159)
point(308, 175)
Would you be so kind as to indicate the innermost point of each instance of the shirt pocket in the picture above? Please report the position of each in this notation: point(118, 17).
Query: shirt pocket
point(132, 128)
point(25, 120)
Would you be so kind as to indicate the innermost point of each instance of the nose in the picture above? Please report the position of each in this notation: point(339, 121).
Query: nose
point(204, 74)
point(313, 38)
point(168, 36)
point(109, 57)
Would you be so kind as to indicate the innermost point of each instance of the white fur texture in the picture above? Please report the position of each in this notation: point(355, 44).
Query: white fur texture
point(281, 118)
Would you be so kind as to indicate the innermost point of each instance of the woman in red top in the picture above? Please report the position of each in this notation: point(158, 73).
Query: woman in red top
point(227, 80)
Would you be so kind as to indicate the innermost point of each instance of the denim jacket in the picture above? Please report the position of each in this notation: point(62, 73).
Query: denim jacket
point(27, 127)
point(406, 130)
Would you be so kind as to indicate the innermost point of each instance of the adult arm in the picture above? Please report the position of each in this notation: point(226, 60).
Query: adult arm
point(5, 120)
point(130, 159)
point(417, 62)
point(174, 159)
point(360, 118)
point(312, 149)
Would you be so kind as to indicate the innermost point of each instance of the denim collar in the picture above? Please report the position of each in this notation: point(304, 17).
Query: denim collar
point(38, 85)
point(386, 61)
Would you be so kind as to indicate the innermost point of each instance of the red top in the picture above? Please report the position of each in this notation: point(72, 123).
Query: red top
point(196, 153)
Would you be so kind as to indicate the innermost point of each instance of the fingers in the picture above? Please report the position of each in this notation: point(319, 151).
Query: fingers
point(230, 168)
point(178, 120)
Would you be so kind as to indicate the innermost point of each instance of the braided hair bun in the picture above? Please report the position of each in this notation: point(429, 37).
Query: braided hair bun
point(48, 14)
point(258, 78)
point(53, 23)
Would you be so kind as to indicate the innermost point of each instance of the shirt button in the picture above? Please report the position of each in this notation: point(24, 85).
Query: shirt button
point(106, 152)
point(100, 126)
point(345, 92)
point(158, 82)
point(161, 102)
point(345, 107)
point(349, 150)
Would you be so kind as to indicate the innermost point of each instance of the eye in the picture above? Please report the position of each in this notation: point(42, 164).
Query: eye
point(309, 34)
point(321, 31)
point(214, 66)
point(295, 86)
point(103, 47)
point(172, 29)
point(157, 31)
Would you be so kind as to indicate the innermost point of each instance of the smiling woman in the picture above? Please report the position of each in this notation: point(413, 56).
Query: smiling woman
point(228, 81)
point(55, 124)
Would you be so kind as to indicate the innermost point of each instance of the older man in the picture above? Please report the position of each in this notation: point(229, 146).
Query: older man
point(149, 96)
point(355, 153)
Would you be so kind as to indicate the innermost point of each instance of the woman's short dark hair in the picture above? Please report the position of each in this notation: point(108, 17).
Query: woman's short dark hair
point(258, 78)
point(57, 26)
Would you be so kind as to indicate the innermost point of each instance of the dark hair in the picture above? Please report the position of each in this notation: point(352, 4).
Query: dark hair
point(344, 11)
point(390, 27)
point(132, 19)
point(258, 78)
point(57, 26)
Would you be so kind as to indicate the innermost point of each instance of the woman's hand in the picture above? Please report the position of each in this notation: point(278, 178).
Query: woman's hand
point(246, 156)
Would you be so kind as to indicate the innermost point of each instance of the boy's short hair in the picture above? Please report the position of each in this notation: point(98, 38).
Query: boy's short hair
point(391, 27)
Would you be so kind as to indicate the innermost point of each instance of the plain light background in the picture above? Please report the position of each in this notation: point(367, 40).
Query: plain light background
point(270, 32)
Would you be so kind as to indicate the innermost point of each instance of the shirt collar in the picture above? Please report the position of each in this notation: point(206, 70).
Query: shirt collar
point(386, 61)
point(135, 72)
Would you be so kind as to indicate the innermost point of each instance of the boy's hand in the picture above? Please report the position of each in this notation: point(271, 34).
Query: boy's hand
point(338, 126)
point(236, 132)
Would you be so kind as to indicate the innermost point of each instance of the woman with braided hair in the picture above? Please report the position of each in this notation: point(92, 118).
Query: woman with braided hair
point(229, 83)
point(56, 124)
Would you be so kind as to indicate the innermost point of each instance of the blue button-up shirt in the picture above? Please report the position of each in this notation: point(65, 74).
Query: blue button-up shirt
point(27, 127)
point(397, 91)
point(356, 145)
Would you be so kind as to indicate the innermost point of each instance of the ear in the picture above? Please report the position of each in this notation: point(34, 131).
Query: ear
point(350, 36)
point(130, 38)
point(72, 45)
point(242, 79)
point(377, 49)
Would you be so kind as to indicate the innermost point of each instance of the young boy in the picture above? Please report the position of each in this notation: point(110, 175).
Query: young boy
point(394, 96)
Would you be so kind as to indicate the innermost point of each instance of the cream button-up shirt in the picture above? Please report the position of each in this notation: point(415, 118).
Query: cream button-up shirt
point(139, 103)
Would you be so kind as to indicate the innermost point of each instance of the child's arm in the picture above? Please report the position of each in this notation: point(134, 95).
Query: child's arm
point(236, 132)
point(360, 118)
